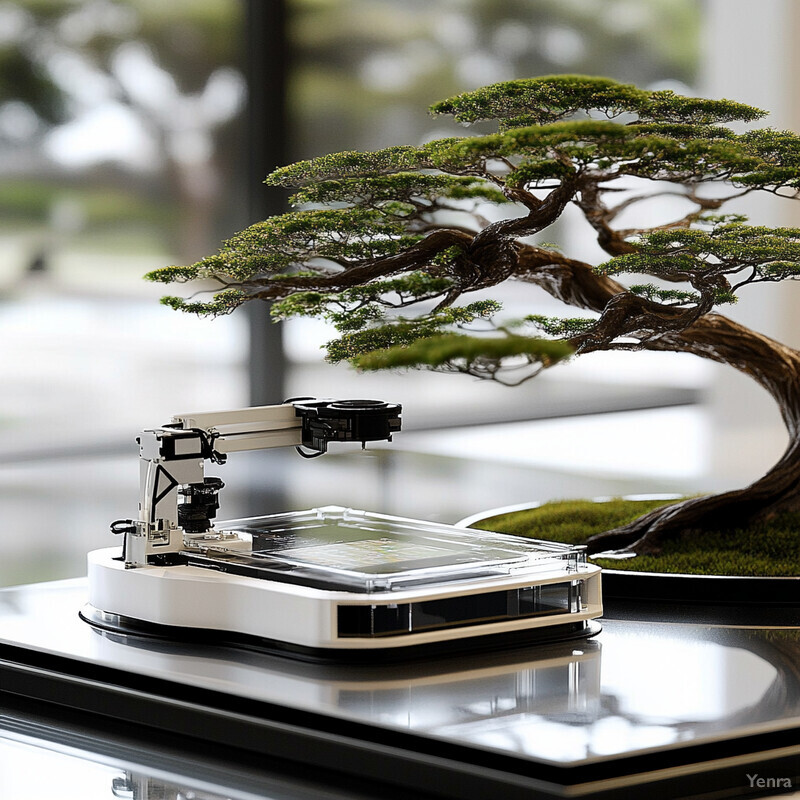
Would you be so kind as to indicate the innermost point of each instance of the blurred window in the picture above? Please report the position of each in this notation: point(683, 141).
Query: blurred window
point(122, 145)
point(119, 134)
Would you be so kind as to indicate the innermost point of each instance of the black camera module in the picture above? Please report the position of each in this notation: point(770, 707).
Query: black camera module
point(325, 421)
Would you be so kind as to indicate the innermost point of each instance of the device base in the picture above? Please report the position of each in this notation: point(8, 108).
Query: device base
point(116, 625)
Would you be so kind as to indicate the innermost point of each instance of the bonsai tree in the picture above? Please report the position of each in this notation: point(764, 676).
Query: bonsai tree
point(381, 232)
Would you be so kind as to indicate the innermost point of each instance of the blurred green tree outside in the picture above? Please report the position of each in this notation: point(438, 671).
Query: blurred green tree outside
point(362, 69)
point(169, 76)
point(161, 77)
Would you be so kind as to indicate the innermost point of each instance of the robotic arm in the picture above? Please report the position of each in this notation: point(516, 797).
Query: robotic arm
point(177, 502)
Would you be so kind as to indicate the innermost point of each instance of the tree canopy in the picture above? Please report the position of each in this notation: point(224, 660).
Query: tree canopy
point(377, 232)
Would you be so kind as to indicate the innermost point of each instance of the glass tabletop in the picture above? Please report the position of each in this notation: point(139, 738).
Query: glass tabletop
point(636, 687)
point(37, 763)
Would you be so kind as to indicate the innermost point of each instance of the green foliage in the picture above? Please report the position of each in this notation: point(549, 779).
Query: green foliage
point(220, 304)
point(353, 308)
point(354, 164)
point(350, 164)
point(666, 106)
point(662, 135)
point(662, 295)
point(444, 349)
point(779, 270)
point(415, 284)
point(670, 152)
point(437, 154)
point(364, 252)
point(696, 255)
point(173, 274)
point(535, 139)
point(340, 233)
point(356, 319)
point(714, 220)
point(289, 241)
point(302, 304)
point(683, 130)
point(535, 171)
point(764, 549)
point(404, 332)
point(562, 328)
point(778, 154)
point(398, 187)
point(539, 101)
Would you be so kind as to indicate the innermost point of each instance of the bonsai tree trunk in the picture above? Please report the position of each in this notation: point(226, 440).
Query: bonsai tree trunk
point(776, 368)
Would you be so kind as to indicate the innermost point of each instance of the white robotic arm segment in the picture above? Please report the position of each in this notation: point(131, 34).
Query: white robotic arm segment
point(177, 501)
point(242, 420)
point(258, 428)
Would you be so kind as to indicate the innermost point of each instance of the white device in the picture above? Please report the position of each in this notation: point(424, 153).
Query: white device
point(330, 582)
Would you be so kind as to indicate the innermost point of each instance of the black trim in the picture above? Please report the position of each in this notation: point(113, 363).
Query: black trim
point(736, 616)
point(739, 590)
point(723, 600)
point(157, 498)
point(117, 625)
point(436, 614)
point(169, 437)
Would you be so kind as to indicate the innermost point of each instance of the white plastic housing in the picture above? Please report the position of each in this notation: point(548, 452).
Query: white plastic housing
point(193, 597)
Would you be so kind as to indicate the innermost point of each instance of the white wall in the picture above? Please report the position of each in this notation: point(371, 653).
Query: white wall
point(750, 53)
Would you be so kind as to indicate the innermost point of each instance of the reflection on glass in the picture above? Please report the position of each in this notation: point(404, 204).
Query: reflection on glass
point(33, 770)
point(661, 685)
point(559, 682)
point(562, 703)
point(141, 786)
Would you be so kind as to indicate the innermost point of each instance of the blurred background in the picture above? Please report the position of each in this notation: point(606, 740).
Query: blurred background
point(136, 133)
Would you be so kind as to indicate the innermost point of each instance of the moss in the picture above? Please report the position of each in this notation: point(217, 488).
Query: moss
point(765, 549)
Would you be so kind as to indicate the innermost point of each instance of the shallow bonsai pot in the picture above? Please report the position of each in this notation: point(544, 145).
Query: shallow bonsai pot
point(723, 599)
